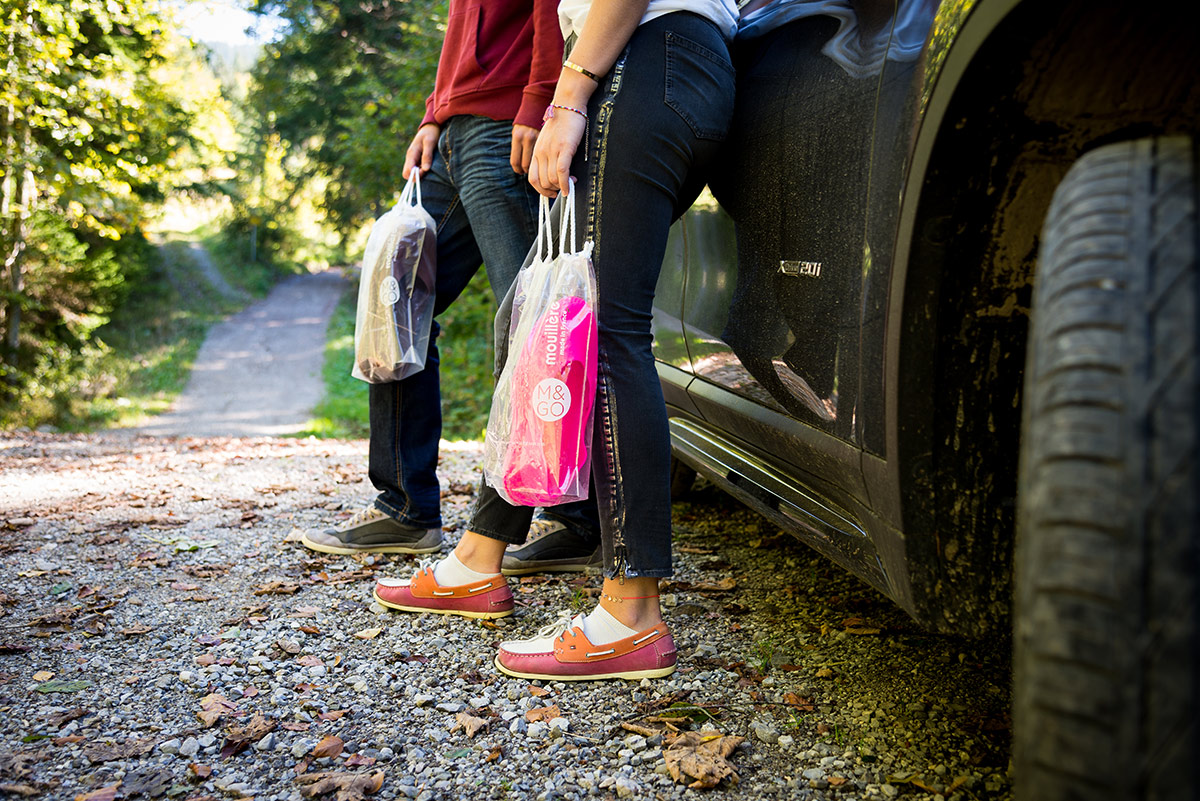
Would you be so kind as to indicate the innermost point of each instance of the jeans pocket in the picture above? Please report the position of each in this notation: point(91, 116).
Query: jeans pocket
point(699, 86)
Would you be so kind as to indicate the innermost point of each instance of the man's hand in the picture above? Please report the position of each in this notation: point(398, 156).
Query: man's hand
point(420, 152)
point(523, 140)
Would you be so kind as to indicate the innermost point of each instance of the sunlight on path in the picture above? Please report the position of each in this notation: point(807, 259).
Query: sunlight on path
point(259, 372)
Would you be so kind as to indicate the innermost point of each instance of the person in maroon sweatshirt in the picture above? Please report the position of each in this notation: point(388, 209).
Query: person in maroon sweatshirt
point(499, 64)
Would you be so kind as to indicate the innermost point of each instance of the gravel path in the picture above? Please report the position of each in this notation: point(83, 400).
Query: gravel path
point(163, 636)
point(258, 373)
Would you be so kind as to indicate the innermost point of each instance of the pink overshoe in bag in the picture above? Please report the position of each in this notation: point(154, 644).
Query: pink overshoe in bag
point(567, 655)
point(489, 598)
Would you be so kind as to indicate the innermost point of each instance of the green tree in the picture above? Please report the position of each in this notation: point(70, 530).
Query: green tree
point(344, 90)
point(88, 136)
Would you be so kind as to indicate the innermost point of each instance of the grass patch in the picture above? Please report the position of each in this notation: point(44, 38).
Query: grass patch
point(465, 349)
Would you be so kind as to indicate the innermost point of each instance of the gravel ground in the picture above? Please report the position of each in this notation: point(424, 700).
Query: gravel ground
point(163, 636)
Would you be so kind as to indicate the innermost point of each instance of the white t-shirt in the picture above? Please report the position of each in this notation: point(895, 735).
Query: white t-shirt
point(724, 13)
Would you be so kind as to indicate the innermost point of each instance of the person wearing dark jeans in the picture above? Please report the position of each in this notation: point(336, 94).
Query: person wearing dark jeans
point(473, 148)
point(640, 110)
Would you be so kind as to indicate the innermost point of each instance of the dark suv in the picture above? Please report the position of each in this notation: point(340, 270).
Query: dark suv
point(943, 327)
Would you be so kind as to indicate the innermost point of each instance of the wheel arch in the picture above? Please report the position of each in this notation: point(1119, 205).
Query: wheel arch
point(1013, 93)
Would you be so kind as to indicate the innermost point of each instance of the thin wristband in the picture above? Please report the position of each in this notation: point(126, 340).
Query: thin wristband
point(550, 111)
point(571, 65)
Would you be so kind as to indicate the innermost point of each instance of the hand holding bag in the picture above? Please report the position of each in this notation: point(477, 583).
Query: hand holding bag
point(396, 291)
point(537, 450)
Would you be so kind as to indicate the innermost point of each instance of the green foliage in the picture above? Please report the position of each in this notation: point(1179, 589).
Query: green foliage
point(89, 133)
point(344, 92)
point(342, 413)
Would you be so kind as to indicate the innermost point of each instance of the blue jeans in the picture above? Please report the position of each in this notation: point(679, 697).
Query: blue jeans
point(655, 124)
point(481, 207)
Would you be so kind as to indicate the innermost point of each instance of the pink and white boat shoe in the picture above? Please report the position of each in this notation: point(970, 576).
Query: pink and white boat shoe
point(562, 652)
point(490, 598)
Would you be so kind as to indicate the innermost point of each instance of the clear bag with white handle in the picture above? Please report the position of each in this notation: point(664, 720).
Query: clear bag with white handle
point(396, 291)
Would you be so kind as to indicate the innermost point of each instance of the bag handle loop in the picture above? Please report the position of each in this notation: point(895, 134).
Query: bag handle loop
point(567, 226)
point(413, 186)
point(544, 232)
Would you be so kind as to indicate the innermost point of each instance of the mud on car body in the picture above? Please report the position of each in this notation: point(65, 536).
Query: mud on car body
point(951, 344)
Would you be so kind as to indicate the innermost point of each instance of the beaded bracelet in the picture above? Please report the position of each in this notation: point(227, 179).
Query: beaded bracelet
point(550, 111)
point(571, 65)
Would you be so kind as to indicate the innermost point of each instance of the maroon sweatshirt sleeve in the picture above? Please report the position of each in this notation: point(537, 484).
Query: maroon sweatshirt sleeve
point(546, 64)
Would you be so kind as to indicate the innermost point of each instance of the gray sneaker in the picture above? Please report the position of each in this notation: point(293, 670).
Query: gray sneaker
point(552, 547)
point(372, 531)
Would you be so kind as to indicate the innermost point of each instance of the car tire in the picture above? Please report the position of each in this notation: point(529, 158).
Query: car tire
point(1106, 625)
point(682, 479)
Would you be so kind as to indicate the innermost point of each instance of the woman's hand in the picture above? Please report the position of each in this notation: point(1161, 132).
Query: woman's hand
point(550, 170)
point(420, 152)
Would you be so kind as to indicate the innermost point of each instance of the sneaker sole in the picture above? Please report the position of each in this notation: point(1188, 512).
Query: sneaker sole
point(415, 548)
point(476, 615)
point(551, 566)
point(632, 675)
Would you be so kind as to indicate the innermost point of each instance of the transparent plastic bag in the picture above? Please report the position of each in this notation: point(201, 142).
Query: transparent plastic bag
point(538, 446)
point(397, 290)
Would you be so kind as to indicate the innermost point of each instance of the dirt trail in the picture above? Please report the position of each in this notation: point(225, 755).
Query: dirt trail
point(259, 372)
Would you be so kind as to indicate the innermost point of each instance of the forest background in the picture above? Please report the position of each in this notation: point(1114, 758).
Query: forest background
point(126, 145)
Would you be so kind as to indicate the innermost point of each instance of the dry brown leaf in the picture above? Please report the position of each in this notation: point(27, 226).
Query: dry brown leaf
point(204, 660)
point(277, 588)
point(469, 723)
point(109, 752)
point(288, 646)
point(637, 728)
point(304, 611)
point(103, 794)
point(309, 660)
point(700, 760)
point(825, 673)
point(367, 634)
point(200, 771)
point(862, 630)
point(348, 786)
point(543, 713)
point(724, 585)
point(538, 692)
point(695, 549)
point(333, 714)
point(836, 781)
point(293, 725)
point(330, 746)
point(133, 631)
point(359, 761)
point(213, 706)
point(43, 675)
point(240, 738)
point(494, 754)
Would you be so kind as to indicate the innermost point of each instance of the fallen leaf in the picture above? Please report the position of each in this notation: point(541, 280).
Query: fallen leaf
point(204, 660)
point(836, 781)
point(151, 783)
point(367, 634)
point(333, 714)
point(543, 713)
point(110, 752)
point(309, 660)
point(700, 760)
point(10, 648)
point(295, 726)
point(63, 686)
point(637, 728)
point(494, 754)
point(133, 631)
point(277, 588)
point(348, 786)
point(330, 746)
point(250, 691)
point(310, 629)
point(200, 771)
point(801, 703)
point(724, 585)
point(359, 761)
point(213, 707)
point(43, 675)
point(862, 630)
point(240, 738)
point(825, 673)
point(184, 587)
point(304, 611)
point(695, 549)
point(57, 720)
point(103, 794)
point(70, 739)
point(538, 692)
point(288, 646)
point(469, 723)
